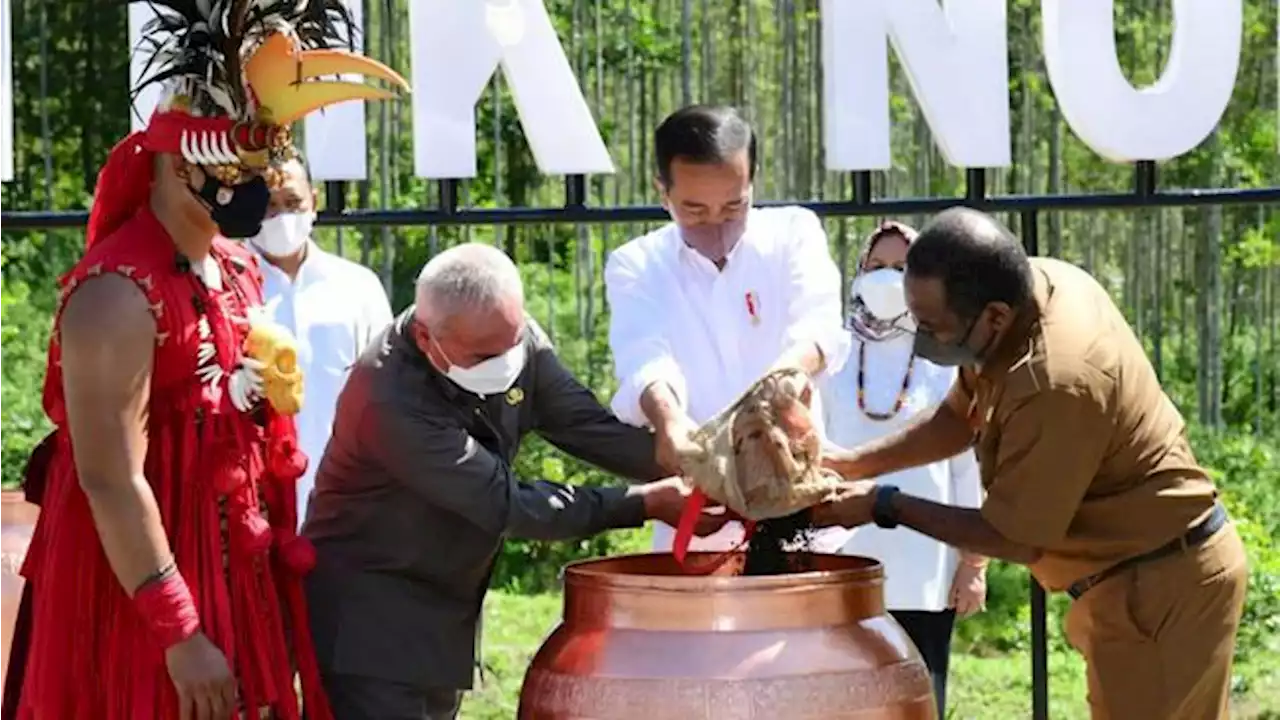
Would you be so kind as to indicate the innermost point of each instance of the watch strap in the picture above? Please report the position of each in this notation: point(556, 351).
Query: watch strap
point(882, 512)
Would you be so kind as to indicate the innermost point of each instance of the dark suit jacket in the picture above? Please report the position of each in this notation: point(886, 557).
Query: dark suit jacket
point(415, 496)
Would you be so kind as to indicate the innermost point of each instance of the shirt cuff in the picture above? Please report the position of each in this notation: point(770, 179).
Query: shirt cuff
point(622, 510)
point(626, 402)
point(834, 344)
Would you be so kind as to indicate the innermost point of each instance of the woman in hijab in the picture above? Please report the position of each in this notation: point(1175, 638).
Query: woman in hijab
point(878, 392)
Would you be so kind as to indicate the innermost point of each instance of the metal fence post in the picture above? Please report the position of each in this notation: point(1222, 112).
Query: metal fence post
point(1030, 232)
point(1039, 654)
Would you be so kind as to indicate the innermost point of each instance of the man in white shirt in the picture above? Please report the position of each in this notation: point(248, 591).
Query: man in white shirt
point(705, 305)
point(333, 306)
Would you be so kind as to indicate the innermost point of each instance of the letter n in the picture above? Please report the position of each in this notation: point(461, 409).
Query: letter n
point(955, 58)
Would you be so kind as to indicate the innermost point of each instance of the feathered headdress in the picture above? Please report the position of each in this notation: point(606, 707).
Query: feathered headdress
point(251, 68)
point(236, 75)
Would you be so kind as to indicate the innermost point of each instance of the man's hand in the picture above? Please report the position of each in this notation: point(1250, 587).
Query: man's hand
point(805, 356)
point(664, 500)
point(675, 445)
point(206, 688)
point(849, 464)
point(849, 505)
point(969, 587)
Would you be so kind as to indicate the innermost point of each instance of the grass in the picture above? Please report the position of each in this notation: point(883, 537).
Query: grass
point(980, 687)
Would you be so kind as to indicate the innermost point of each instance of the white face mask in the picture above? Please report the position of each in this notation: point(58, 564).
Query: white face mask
point(284, 234)
point(490, 377)
point(881, 291)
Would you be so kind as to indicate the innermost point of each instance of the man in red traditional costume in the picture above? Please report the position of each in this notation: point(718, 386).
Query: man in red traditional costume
point(165, 568)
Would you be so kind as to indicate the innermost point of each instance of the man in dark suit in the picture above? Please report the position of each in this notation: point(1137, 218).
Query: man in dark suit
point(416, 494)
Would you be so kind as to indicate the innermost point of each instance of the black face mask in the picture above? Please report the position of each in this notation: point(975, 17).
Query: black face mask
point(241, 216)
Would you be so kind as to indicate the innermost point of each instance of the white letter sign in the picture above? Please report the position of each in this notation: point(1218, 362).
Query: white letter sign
point(956, 61)
point(1165, 120)
point(6, 94)
point(336, 138)
point(457, 45)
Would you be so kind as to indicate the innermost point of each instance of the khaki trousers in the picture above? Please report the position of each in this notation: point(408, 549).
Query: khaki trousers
point(1158, 637)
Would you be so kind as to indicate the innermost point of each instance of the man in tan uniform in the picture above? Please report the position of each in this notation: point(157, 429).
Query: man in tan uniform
point(1089, 476)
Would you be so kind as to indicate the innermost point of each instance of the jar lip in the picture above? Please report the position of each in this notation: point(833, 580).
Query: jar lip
point(664, 575)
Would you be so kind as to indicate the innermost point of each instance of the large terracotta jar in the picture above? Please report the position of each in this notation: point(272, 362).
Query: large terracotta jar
point(641, 640)
point(17, 522)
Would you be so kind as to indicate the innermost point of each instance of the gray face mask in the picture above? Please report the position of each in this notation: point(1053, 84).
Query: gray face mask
point(714, 241)
point(940, 353)
point(928, 346)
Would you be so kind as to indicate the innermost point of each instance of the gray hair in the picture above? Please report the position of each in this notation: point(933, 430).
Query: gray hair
point(462, 279)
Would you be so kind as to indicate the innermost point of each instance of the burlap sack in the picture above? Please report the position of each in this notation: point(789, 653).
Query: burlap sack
point(761, 457)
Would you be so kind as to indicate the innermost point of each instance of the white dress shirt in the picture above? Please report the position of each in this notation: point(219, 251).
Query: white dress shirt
point(710, 333)
point(334, 308)
point(918, 569)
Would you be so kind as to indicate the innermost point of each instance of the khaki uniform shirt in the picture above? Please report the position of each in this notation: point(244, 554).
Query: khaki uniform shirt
point(1082, 454)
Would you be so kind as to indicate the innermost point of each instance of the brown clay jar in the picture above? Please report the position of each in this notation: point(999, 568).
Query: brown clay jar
point(18, 522)
point(642, 640)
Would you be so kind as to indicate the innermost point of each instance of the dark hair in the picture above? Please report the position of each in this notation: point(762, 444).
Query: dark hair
point(978, 260)
point(704, 134)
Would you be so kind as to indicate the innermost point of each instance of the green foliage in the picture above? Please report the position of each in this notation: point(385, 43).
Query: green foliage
point(24, 323)
point(1248, 472)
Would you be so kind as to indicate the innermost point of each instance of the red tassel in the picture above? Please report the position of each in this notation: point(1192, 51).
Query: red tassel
point(124, 184)
point(287, 462)
point(230, 479)
point(250, 533)
point(298, 555)
point(314, 701)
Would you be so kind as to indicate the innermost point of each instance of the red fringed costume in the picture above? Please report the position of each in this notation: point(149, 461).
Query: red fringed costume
point(223, 474)
point(224, 483)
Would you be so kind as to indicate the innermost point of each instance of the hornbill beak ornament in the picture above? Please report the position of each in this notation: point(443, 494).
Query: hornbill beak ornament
point(284, 79)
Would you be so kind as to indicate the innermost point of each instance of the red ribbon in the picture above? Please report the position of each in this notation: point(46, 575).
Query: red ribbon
point(169, 609)
point(684, 535)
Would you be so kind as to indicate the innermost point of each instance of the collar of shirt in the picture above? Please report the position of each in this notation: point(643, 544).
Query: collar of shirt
point(315, 267)
point(1014, 345)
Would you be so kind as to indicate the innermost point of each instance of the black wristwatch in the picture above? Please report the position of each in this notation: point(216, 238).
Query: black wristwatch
point(882, 511)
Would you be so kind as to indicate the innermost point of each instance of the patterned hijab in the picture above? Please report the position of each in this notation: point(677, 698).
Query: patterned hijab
point(859, 319)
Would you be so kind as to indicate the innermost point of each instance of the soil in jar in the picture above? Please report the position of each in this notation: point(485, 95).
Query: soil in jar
point(781, 545)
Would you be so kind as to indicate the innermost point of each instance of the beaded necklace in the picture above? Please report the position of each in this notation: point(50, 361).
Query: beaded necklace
point(862, 386)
